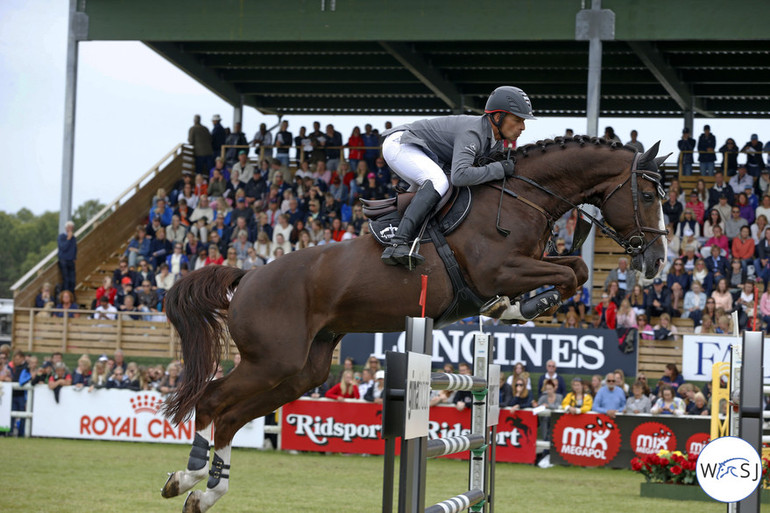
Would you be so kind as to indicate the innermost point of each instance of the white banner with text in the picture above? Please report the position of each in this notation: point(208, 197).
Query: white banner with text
point(701, 352)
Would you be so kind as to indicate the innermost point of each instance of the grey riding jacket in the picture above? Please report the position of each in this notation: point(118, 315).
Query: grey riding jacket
point(454, 142)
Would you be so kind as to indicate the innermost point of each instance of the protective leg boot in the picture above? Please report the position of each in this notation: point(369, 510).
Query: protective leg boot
point(424, 201)
point(535, 306)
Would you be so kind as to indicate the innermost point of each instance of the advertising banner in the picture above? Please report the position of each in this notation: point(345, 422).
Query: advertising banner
point(574, 351)
point(701, 352)
point(6, 393)
point(355, 428)
point(593, 440)
point(122, 415)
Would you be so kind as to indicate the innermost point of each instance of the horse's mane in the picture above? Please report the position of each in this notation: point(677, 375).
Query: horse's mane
point(542, 146)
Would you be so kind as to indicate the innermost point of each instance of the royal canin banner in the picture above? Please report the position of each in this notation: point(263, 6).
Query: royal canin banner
point(122, 415)
point(593, 440)
point(355, 428)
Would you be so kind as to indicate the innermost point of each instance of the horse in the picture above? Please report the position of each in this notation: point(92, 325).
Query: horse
point(287, 317)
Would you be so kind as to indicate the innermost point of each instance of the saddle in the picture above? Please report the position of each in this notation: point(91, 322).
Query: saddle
point(384, 217)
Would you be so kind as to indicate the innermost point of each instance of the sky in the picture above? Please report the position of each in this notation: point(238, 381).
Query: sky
point(133, 107)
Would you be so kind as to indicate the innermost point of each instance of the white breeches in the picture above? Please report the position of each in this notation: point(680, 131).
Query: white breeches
point(412, 164)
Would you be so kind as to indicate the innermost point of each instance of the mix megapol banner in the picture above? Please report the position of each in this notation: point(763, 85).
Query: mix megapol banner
point(354, 428)
point(596, 440)
point(574, 351)
point(122, 415)
point(701, 352)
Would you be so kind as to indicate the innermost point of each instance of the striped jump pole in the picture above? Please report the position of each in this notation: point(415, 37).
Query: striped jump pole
point(452, 445)
point(444, 381)
point(457, 503)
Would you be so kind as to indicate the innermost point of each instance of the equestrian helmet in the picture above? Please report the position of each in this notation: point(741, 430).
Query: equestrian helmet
point(511, 100)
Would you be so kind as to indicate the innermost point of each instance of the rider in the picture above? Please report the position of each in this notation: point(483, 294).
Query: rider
point(422, 152)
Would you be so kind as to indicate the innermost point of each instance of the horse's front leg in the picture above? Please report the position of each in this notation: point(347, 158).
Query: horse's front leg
point(578, 266)
point(526, 274)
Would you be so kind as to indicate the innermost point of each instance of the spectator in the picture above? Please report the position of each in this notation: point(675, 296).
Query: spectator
point(671, 378)
point(716, 263)
point(673, 208)
point(283, 141)
point(184, 211)
point(625, 277)
point(550, 373)
point(706, 156)
point(160, 248)
point(164, 279)
point(610, 399)
point(170, 381)
point(147, 298)
point(143, 273)
point(232, 259)
point(745, 303)
point(203, 211)
point(579, 400)
point(372, 142)
point(345, 389)
point(521, 397)
point(60, 378)
point(236, 138)
point(686, 147)
point(118, 379)
point(743, 247)
point(763, 184)
point(68, 253)
point(734, 223)
point(664, 329)
point(610, 135)
point(740, 181)
point(729, 151)
point(82, 376)
point(669, 403)
point(714, 219)
point(694, 302)
point(464, 399)
point(332, 147)
point(745, 207)
point(105, 310)
point(519, 372)
point(657, 299)
point(635, 143)
point(219, 186)
point(176, 232)
point(639, 402)
point(697, 207)
point(355, 144)
point(128, 306)
point(162, 211)
point(263, 142)
point(549, 398)
point(99, 375)
point(200, 138)
point(67, 302)
point(677, 275)
point(175, 260)
point(218, 135)
point(304, 145)
point(754, 160)
point(374, 392)
point(138, 248)
point(698, 406)
point(44, 296)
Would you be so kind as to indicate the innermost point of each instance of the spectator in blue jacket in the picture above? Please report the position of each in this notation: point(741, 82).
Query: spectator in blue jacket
point(706, 156)
point(610, 399)
point(68, 253)
point(550, 373)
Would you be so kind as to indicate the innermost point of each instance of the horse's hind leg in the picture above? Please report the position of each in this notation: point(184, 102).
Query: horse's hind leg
point(239, 398)
point(197, 466)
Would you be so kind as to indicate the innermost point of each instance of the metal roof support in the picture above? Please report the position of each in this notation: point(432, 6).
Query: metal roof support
point(667, 76)
point(77, 31)
point(425, 73)
point(594, 25)
point(238, 112)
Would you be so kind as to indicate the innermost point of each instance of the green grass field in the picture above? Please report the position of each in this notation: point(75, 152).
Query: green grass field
point(73, 475)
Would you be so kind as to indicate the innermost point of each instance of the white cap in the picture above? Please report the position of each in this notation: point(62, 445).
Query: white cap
point(380, 374)
point(216, 118)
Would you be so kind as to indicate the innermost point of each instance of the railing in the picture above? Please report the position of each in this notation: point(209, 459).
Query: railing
point(130, 191)
point(722, 166)
point(41, 330)
point(300, 150)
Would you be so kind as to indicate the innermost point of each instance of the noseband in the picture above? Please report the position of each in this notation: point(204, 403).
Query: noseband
point(633, 242)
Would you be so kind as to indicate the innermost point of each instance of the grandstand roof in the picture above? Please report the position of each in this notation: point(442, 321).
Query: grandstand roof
point(437, 57)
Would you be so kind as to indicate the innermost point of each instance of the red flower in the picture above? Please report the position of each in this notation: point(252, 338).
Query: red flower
point(676, 470)
point(636, 464)
point(663, 462)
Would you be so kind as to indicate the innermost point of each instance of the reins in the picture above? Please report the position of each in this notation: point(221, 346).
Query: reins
point(634, 242)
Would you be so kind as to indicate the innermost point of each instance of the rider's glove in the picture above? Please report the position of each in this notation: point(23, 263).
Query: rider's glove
point(508, 168)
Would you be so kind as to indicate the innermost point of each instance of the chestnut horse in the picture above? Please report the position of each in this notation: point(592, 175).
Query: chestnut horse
point(287, 317)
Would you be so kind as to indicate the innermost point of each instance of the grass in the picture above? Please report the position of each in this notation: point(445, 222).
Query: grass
point(75, 475)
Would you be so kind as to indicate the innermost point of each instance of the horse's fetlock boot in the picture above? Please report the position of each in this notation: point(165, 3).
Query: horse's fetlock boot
point(535, 306)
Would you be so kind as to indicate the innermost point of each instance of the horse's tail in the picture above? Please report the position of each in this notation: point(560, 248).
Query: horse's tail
point(197, 307)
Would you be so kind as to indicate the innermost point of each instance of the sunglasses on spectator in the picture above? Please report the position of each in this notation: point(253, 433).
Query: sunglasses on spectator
point(610, 381)
point(519, 384)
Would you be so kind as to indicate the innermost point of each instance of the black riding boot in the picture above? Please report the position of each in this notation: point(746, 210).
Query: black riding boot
point(425, 200)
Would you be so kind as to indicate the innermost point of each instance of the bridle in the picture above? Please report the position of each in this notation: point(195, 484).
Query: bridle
point(634, 242)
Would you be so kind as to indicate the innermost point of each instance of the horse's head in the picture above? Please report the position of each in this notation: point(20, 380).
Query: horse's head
point(634, 208)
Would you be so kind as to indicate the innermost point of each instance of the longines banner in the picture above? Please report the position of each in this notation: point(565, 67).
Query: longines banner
point(595, 440)
point(355, 427)
point(701, 352)
point(575, 351)
point(122, 415)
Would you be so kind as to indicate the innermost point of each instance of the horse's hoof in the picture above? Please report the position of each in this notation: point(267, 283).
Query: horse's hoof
point(171, 488)
point(193, 502)
point(495, 307)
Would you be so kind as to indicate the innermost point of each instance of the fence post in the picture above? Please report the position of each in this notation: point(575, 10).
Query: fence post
point(65, 332)
point(31, 330)
point(119, 335)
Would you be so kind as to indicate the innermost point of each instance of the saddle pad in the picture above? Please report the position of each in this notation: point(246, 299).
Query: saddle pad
point(384, 228)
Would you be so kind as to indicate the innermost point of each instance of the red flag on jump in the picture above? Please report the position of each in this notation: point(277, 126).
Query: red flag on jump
point(424, 293)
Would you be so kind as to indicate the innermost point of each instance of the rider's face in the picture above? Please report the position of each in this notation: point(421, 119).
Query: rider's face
point(512, 127)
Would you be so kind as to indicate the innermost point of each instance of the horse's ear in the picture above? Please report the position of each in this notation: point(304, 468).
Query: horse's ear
point(649, 154)
point(660, 160)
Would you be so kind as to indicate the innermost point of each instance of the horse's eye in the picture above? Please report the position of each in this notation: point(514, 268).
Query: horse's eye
point(648, 197)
